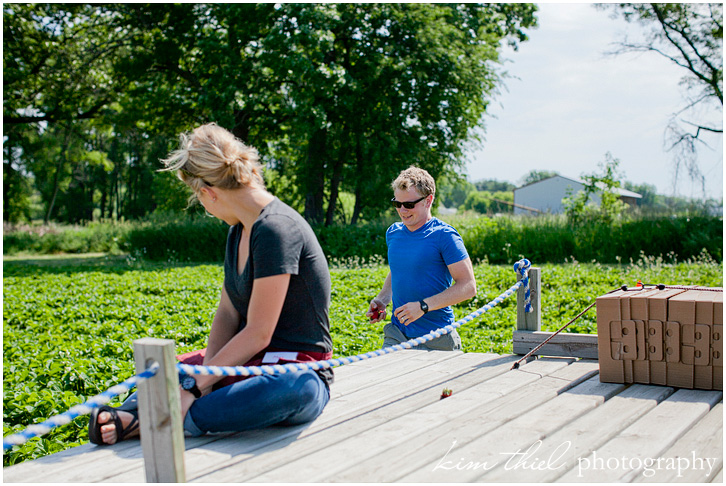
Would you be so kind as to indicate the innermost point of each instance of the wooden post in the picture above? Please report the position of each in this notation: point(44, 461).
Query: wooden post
point(529, 335)
point(530, 321)
point(162, 435)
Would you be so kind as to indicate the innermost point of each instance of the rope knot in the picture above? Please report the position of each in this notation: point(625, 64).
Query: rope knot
point(522, 268)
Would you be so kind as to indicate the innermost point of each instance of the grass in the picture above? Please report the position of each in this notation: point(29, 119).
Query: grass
point(499, 240)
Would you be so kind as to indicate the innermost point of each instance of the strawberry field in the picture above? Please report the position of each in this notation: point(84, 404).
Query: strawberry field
point(68, 325)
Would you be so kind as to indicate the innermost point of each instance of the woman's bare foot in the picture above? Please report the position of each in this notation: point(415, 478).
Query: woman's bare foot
point(108, 431)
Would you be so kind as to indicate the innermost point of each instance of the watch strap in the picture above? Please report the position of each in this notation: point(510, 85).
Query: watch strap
point(196, 391)
point(424, 306)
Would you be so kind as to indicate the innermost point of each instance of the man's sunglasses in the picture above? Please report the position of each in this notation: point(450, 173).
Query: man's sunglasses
point(407, 204)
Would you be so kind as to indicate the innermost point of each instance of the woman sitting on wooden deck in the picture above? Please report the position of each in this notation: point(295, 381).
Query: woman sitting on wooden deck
point(273, 306)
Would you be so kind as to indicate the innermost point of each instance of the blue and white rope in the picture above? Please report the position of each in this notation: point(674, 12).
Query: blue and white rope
point(522, 267)
point(77, 410)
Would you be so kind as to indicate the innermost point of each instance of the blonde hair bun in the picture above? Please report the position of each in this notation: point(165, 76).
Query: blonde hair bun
point(213, 156)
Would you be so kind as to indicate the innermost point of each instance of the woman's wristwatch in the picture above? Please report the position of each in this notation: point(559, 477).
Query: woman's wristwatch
point(189, 384)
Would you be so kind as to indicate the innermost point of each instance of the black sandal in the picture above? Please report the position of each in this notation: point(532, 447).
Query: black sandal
point(94, 428)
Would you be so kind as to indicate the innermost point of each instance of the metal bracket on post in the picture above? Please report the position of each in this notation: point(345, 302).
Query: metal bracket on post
point(162, 435)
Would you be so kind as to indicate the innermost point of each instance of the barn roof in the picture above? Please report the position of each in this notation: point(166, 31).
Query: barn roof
point(618, 190)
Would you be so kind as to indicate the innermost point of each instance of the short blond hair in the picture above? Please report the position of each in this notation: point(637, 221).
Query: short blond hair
point(212, 156)
point(415, 177)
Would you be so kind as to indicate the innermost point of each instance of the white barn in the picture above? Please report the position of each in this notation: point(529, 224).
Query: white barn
point(546, 196)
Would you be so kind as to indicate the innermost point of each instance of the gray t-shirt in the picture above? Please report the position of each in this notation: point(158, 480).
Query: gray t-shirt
point(282, 242)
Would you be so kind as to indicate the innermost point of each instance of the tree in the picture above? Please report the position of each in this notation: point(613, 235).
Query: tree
point(452, 190)
point(58, 75)
point(582, 208)
point(690, 35)
point(338, 98)
point(485, 202)
point(16, 190)
point(536, 176)
point(493, 185)
point(373, 88)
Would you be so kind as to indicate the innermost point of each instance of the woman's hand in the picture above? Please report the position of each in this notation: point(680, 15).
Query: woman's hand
point(187, 400)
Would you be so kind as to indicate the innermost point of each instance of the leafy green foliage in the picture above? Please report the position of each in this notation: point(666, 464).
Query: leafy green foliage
point(69, 325)
point(452, 189)
point(485, 202)
point(68, 333)
point(338, 98)
point(552, 239)
point(92, 238)
point(167, 237)
point(583, 208)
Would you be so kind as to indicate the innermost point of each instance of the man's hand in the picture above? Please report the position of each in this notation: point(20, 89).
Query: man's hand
point(408, 313)
point(376, 311)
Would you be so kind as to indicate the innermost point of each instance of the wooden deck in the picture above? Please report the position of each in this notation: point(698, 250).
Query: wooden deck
point(549, 421)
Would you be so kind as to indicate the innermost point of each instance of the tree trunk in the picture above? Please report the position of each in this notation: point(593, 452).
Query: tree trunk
point(314, 178)
point(335, 188)
point(241, 128)
point(59, 168)
point(358, 207)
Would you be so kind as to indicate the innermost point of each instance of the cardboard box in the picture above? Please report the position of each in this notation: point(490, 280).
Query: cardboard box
point(670, 337)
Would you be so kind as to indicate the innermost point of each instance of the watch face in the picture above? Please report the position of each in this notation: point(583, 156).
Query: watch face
point(188, 382)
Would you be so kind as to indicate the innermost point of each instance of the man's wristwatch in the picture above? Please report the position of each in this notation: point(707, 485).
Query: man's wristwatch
point(424, 306)
point(189, 384)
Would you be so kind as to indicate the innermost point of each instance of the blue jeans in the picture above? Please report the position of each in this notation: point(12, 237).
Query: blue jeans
point(258, 402)
point(255, 403)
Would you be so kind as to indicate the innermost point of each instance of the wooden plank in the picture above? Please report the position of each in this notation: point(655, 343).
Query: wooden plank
point(86, 463)
point(160, 420)
point(406, 428)
point(373, 430)
point(357, 437)
point(416, 360)
point(585, 434)
point(92, 463)
point(517, 444)
point(449, 442)
point(563, 344)
point(345, 372)
point(695, 457)
point(399, 387)
point(216, 453)
point(364, 411)
point(621, 459)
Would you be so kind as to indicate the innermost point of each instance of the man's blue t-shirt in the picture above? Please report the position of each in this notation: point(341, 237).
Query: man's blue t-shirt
point(419, 269)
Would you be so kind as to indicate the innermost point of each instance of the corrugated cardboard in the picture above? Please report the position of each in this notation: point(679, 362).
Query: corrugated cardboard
point(668, 337)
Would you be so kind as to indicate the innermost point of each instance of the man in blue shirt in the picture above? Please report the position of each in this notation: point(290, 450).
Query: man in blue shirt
point(430, 269)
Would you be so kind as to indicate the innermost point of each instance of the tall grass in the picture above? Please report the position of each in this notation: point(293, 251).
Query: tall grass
point(50, 239)
point(544, 239)
point(550, 239)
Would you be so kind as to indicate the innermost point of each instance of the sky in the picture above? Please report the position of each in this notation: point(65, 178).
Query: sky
point(568, 104)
